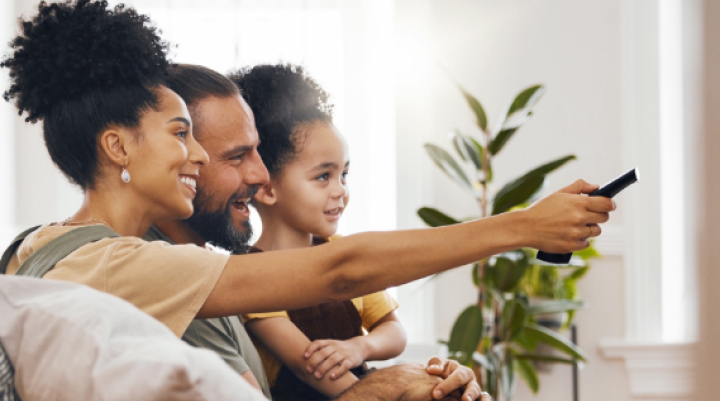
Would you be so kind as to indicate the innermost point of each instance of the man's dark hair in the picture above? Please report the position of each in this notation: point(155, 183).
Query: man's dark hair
point(79, 67)
point(194, 83)
point(284, 100)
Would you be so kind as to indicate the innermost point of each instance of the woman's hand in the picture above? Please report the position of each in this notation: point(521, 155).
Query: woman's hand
point(563, 221)
point(334, 357)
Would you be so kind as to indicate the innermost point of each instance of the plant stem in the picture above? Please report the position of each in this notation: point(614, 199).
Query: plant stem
point(485, 169)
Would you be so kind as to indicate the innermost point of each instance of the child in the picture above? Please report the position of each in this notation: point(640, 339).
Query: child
point(311, 350)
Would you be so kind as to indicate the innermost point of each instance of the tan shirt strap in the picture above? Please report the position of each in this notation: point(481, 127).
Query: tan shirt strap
point(45, 258)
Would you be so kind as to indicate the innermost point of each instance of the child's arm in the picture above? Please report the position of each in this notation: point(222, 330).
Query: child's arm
point(281, 337)
point(385, 340)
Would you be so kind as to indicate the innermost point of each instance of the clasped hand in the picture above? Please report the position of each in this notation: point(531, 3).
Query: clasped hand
point(334, 357)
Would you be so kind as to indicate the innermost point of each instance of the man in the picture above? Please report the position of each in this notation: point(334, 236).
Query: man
point(224, 126)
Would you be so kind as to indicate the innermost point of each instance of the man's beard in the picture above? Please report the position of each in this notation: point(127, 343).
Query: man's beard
point(216, 226)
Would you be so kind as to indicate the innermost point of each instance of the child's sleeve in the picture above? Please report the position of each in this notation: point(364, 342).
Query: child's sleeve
point(374, 307)
point(253, 316)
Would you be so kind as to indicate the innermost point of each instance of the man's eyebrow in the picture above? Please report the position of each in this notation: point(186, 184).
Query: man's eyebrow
point(181, 119)
point(238, 149)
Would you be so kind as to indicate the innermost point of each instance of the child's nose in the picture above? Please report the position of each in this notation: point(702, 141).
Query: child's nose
point(339, 191)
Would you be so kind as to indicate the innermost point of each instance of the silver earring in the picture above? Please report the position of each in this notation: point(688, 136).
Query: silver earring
point(125, 175)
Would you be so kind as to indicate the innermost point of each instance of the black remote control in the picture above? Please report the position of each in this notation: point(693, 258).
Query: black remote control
point(608, 190)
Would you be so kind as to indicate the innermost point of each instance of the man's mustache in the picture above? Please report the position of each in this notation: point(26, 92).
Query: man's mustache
point(248, 193)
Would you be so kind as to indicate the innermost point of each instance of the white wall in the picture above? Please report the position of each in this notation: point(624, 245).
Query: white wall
point(495, 49)
point(38, 193)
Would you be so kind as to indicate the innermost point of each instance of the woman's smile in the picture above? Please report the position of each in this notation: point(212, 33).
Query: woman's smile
point(190, 183)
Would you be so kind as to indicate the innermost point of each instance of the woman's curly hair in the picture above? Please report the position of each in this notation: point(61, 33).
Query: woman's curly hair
point(79, 66)
point(284, 100)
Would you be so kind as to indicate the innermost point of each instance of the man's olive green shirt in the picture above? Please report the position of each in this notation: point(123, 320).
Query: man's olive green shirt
point(226, 336)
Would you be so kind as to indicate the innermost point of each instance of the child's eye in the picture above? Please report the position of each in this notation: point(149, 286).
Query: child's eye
point(323, 177)
point(345, 174)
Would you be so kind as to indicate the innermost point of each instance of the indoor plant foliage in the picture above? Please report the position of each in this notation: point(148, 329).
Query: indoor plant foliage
point(498, 336)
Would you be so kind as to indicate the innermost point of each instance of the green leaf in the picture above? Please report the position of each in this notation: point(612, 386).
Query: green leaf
point(491, 384)
point(526, 342)
point(481, 152)
point(450, 166)
point(578, 274)
point(469, 149)
point(526, 99)
point(500, 140)
point(435, 218)
point(476, 274)
point(554, 340)
point(528, 373)
point(523, 188)
point(588, 253)
point(480, 116)
point(508, 376)
point(514, 317)
point(508, 269)
point(459, 148)
point(517, 192)
point(483, 361)
point(544, 358)
point(518, 114)
point(466, 334)
point(556, 306)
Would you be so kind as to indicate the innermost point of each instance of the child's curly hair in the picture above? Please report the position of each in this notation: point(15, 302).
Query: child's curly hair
point(284, 100)
point(79, 66)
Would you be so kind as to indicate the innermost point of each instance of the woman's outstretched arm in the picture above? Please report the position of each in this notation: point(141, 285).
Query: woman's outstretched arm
point(369, 262)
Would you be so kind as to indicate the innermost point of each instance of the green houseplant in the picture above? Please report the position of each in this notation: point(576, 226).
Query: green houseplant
point(499, 336)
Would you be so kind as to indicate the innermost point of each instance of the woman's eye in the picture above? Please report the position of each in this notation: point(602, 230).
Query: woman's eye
point(182, 134)
point(345, 174)
point(323, 177)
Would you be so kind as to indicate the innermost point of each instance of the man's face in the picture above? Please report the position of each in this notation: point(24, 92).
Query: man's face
point(225, 127)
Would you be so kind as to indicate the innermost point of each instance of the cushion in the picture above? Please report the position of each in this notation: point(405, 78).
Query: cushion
point(70, 342)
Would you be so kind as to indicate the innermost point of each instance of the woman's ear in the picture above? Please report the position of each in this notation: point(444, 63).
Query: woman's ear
point(112, 143)
point(266, 195)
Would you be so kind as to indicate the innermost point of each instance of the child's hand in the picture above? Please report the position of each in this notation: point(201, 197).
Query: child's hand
point(334, 357)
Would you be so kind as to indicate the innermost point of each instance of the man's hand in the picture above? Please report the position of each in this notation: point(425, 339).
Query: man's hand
point(414, 382)
point(563, 221)
point(456, 378)
point(334, 357)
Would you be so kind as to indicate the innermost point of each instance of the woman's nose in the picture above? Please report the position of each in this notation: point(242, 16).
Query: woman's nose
point(196, 153)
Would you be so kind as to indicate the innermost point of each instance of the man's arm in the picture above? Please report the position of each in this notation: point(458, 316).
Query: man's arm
point(365, 263)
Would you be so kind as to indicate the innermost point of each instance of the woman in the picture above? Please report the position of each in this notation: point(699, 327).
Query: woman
point(93, 76)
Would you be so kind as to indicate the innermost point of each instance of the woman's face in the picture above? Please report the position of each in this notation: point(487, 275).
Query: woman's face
point(164, 160)
point(311, 190)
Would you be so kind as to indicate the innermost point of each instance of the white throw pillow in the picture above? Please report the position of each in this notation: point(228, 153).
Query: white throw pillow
point(70, 342)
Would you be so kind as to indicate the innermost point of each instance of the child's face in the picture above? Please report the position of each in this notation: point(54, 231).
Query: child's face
point(311, 191)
